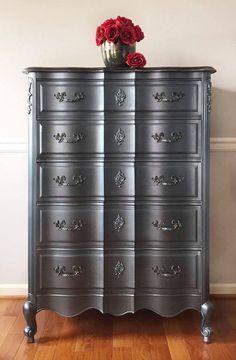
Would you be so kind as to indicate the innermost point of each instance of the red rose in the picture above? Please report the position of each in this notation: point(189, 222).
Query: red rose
point(135, 60)
point(120, 29)
point(123, 21)
point(108, 23)
point(100, 36)
point(139, 33)
point(127, 35)
point(112, 33)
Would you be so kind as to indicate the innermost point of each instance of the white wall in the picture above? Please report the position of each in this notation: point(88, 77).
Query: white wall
point(61, 33)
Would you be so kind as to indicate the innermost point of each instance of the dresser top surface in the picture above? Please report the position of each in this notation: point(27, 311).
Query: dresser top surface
point(102, 69)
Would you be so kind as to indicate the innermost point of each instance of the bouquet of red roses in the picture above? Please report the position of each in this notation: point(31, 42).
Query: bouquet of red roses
point(122, 30)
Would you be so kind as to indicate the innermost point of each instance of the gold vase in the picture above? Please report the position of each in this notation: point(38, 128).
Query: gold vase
point(114, 55)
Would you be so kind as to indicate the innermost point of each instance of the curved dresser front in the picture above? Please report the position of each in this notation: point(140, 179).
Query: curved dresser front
point(118, 207)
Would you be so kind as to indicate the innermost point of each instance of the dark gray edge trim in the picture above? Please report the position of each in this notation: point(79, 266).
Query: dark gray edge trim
point(102, 69)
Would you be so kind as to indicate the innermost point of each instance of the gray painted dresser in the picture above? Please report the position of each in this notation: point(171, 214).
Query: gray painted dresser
point(118, 191)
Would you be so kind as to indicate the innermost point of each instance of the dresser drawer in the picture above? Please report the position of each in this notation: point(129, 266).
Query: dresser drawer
point(168, 226)
point(169, 98)
point(169, 138)
point(166, 270)
point(119, 179)
point(70, 225)
point(172, 180)
point(70, 270)
point(119, 271)
point(119, 225)
point(66, 181)
point(57, 139)
point(63, 99)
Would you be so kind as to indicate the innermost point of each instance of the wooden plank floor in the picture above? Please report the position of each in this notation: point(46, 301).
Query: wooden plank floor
point(93, 336)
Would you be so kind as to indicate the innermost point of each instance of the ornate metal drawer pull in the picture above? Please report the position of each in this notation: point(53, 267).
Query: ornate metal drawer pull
point(120, 97)
point(76, 180)
point(119, 179)
point(174, 136)
point(119, 268)
point(62, 96)
point(76, 271)
point(175, 96)
point(118, 223)
point(77, 225)
point(76, 137)
point(161, 226)
point(174, 180)
point(119, 137)
point(173, 272)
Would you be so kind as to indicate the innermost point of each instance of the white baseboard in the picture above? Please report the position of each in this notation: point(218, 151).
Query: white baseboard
point(13, 289)
point(16, 147)
point(223, 288)
point(22, 289)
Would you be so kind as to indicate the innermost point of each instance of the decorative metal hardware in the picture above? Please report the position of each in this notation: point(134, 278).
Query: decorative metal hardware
point(77, 225)
point(30, 97)
point(118, 223)
point(120, 97)
point(119, 268)
point(76, 137)
point(62, 96)
point(119, 137)
point(119, 179)
point(161, 226)
point(175, 96)
point(174, 180)
point(77, 270)
point(76, 180)
point(174, 136)
point(173, 272)
point(209, 95)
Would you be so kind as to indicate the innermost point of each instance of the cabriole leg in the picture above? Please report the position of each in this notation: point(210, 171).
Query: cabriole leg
point(30, 311)
point(206, 330)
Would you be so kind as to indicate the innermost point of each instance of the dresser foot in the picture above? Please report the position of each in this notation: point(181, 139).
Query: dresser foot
point(29, 311)
point(206, 330)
